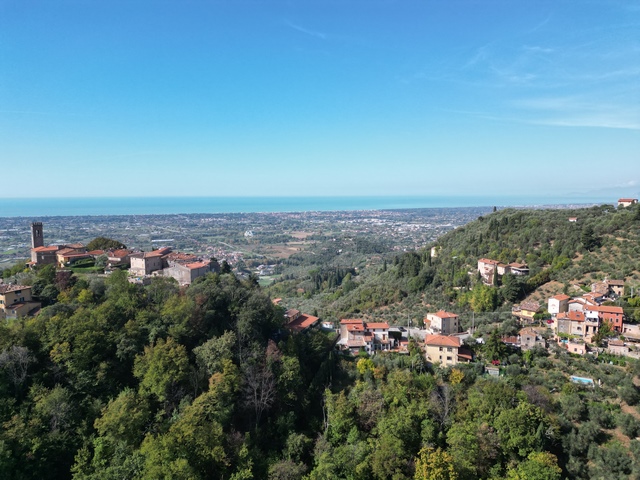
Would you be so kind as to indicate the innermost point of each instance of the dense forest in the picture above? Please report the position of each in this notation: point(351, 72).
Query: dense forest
point(114, 380)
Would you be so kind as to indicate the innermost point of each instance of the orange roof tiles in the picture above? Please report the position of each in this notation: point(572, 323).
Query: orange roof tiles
point(489, 261)
point(6, 288)
point(572, 315)
point(196, 265)
point(562, 297)
point(605, 309)
point(378, 325)
point(354, 327)
point(442, 340)
point(52, 248)
point(443, 314)
point(302, 322)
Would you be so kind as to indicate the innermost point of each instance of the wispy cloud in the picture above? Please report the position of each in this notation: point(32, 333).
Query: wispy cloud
point(306, 31)
point(577, 111)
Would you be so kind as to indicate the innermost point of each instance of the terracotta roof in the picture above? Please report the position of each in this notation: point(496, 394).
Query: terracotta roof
point(573, 315)
point(292, 312)
point(276, 301)
point(528, 331)
point(616, 343)
point(489, 261)
point(465, 353)
point(302, 322)
point(617, 283)
point(561, 297)
point(378, 325)
point(605, 309)
point(443, 314)
point(181, 257)
point(64, 251)
point(121, 253)
point(354, 327)
point(51, 248)
point(6, 288)
point(442, 340)
point(347, 321)
point(518, 265)
point(627, 200)
point(196, 265)
point(530, 306)
point(73, 254)
point(96, 252)
point(75, 245)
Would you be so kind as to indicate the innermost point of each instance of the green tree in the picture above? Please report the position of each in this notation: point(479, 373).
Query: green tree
point(537, 466)
point(104, 243)
point(434, 465)
point(162, 369)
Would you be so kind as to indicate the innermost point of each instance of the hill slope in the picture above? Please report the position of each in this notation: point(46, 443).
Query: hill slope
point(604, 242)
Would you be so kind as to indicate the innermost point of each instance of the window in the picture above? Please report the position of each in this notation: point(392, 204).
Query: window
point(448, 359)
point(440, 349)
point(449, 349)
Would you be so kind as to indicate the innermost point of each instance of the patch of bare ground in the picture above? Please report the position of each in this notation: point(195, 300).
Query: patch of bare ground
point(542, 293)
point(618, 435)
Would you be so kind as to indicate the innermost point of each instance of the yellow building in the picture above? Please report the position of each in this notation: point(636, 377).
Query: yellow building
point(16, 301)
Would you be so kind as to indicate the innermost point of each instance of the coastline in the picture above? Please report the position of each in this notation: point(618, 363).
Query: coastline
point(101, 206)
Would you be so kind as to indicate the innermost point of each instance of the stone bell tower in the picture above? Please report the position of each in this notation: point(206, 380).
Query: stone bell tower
point(37, 239)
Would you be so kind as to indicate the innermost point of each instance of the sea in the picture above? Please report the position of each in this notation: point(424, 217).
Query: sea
point(49, 207)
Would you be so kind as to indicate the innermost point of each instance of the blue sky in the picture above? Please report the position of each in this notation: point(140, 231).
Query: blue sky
point(208, 98)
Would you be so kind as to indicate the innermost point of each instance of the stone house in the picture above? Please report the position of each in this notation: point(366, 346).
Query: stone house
point(617, 347)
point(530, 338)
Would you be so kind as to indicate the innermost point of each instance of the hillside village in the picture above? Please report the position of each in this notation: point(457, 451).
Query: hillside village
point(570, 323)
point(540, 369)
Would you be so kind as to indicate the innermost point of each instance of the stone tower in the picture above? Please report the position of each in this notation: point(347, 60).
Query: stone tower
point(37, 239)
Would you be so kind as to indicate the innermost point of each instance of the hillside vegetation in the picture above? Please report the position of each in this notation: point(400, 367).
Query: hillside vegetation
point(561, 255)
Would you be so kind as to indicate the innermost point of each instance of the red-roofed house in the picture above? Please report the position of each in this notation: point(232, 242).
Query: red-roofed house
point(302, 322)
point(571, 323)
point(119, 257)
point(627, 202)
point(614, 316)
point(445, 350)
point(372, 336)
point(444, 323)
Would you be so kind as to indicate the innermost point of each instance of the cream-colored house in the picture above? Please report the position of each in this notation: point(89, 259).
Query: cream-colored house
point(558, 304)
point(627, 202)
point(446, 350)
point(445, 323)
point(16, 301)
